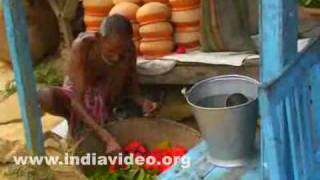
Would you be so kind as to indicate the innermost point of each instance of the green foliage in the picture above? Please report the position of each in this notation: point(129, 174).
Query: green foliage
point(9, 89)
point(46, 74)
point(310, 3)
point(133, 173)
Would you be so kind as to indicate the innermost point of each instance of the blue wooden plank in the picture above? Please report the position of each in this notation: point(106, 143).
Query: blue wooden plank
point(293, 136)
point(233, 173)
point(277, 90)
point(294, 73)
point(279, 116)
point(200, 166)
point(223, 173)
point(248, 172)
point(252, 175)
point(297, 153)
point(315, 175)
point(16, 28)
point(308, 146)
point(300, 131)
point(315, 96)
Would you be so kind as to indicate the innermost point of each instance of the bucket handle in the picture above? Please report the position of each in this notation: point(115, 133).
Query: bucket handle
point(223, 77)
point(184, 91)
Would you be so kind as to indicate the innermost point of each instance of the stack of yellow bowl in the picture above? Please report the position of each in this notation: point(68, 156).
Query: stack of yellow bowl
point(186, 19)
point(129, 10)
point(95, 12)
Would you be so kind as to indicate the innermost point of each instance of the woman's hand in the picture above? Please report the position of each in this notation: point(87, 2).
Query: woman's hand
point(111, 143)
point(112, 146)
point(149, 107)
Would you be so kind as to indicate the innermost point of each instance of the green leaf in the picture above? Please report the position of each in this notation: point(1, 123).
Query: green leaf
point(132, 173)
point(164, 145)
point(141, 175)
point(114, 176)
point(148, 177)
point(154, 171)
point(310, 3)
point(10, 88)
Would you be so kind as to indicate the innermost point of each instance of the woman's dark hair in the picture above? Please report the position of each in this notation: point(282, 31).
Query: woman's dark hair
point(116, 26)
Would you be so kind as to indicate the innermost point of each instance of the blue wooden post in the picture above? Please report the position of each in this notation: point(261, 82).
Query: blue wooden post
point(278, 31)
point(279, 34)
point(16, 27)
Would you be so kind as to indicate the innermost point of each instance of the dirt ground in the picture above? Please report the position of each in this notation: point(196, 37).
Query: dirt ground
point(12, 136)
point(10, 121)
point(55, 146)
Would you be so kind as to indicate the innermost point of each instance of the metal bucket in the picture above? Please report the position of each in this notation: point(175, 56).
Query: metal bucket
point(229, 131)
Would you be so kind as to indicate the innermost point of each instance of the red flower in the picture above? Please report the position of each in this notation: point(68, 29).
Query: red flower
point(132, 146)
point(125, 167)
point(156, 167)
point(138, 149)
point(157, 153)
point(113, 168)
point(148, 166)
point(177, 151)
point(142, 149)
point(136, 154)
point(163, 168)
point(181, 50)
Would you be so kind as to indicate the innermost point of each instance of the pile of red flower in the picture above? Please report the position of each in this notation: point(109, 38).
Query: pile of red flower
point(158, 153)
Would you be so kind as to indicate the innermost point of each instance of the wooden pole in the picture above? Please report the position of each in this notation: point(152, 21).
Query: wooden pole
point(16, 28)
point(65, 12)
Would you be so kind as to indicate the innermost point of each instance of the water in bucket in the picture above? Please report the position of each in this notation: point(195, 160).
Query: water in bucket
point(220, 101)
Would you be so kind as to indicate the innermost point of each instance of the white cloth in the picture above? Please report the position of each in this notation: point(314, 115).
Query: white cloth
point(214, 58)
point(165, 64)
point(154, 67)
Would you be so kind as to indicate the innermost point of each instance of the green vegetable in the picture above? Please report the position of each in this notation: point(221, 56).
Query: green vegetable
point(133, 173)
point(49, 74)
point(46, 74)
point(310, 3)
point(141, 175)
point(148, 177)
point(9, 89)
point(164, 145)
